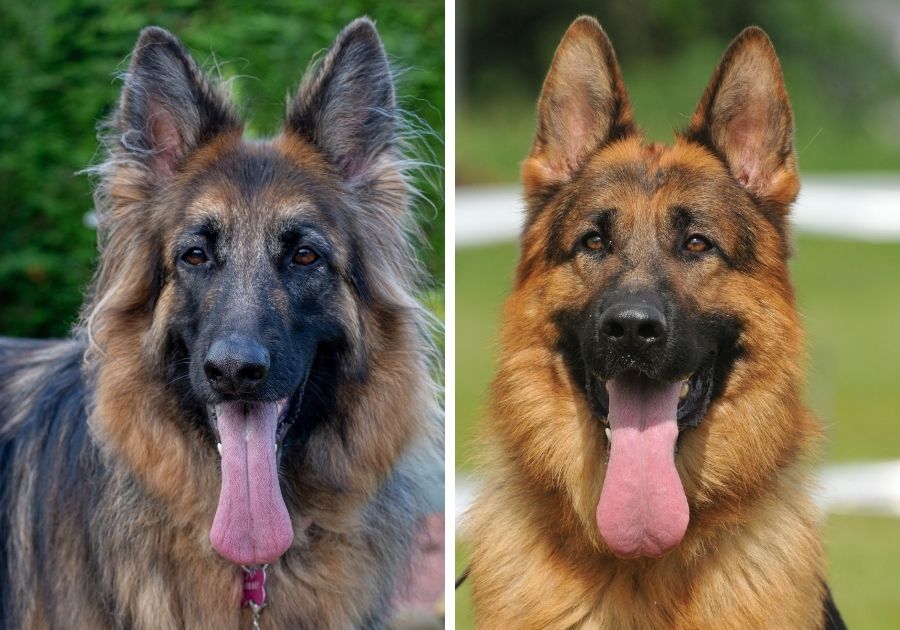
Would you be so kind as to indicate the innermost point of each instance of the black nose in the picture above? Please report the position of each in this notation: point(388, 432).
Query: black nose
point(236, 366)
point(633, 325)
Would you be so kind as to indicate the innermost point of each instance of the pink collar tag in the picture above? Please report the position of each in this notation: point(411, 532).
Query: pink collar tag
point(254, 588)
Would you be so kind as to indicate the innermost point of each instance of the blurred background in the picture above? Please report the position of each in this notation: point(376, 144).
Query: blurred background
point(58, 61)
point(841, 60)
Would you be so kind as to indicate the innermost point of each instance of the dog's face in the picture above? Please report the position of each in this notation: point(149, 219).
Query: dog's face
point(271, 265)
point(261, 278)
point(656, 251)
point(665, 272)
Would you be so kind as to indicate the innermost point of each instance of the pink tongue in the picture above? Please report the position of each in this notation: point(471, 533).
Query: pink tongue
point(642, 509)
point(252, 525)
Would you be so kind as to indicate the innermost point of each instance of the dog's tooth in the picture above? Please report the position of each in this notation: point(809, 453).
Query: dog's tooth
point(608, 434)
point(685, 388)
point(219, 446)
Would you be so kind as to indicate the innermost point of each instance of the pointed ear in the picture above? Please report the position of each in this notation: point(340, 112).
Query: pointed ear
point(346, 106)
point(168, 108)
point(745, 117)
point(583, 105)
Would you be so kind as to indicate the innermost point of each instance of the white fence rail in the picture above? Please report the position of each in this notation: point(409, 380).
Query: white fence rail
point(851, 488)
point(863, 207)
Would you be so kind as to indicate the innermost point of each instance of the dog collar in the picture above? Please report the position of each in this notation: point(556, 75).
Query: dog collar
point(254, 591)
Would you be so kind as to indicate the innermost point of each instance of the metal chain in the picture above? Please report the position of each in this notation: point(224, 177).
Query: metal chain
point(256, 610)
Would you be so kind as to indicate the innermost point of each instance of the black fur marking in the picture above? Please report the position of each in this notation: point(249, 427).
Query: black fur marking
point(317, 409)
point(358, 276)
point(681, 219)
point(744, 258)
point(833, 620)
point(557, 250)
point(775, 213)
point(695, 342)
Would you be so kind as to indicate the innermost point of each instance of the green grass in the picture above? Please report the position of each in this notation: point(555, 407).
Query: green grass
point(847, 293)
point(494, 132)
point(483, 278)
point(864, 553)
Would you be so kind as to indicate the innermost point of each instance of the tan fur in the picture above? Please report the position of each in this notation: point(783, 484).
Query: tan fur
point(751, 557)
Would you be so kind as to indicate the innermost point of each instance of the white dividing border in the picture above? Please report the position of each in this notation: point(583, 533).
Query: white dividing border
point(449, 312)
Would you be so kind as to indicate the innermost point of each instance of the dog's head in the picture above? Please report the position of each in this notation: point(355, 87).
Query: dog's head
point(268, 283)
point(659, 273)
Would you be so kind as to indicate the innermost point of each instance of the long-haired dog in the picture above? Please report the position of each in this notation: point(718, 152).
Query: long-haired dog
point(252, 381)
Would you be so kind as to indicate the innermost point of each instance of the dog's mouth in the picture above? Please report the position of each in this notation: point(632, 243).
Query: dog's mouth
point(252, 525)
point(694, 395)
point(643, 509)
point(288, 409)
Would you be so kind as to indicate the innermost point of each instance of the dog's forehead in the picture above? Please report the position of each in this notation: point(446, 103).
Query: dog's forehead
point(255, 188)
point(649, 179)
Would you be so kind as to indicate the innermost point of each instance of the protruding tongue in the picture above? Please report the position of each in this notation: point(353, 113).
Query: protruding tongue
point(642, 509)
point(252, 525)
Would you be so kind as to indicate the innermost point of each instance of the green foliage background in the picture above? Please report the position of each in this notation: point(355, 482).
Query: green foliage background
point(58, 62)
point(843, 79)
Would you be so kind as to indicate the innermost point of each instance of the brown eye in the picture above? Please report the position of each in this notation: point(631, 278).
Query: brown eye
point(194, 256)
point(305, 256)
point(594, 241)
point(697, 244)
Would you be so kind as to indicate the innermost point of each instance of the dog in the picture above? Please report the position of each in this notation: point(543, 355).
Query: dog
point(251, 383)
point(648, 448)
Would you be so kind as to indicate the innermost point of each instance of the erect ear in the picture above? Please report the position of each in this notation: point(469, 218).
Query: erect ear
point(346, 105)
point(583, 105)
point(168, 108)
point(746, 118)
